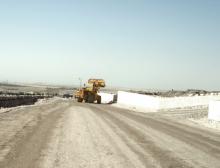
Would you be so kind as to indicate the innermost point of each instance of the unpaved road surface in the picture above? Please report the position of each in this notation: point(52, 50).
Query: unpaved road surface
point(66, 134)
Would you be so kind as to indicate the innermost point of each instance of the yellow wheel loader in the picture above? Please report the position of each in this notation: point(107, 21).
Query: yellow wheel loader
point(89, 93)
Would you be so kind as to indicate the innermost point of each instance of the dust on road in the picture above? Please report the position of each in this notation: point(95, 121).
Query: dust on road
point(68, 134)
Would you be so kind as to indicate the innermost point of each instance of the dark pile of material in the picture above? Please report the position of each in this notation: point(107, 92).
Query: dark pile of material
point(18, 99)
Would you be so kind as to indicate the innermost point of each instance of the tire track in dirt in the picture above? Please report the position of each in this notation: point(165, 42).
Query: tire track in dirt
point(68, 134)
point(208, 156)
point(27, 143)
point(163, 157)
point(86, 140)
point(193, 136)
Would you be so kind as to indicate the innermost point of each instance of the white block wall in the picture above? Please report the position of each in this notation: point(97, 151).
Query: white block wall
point(154, 103)
point(214, 110)
point(106, 97)
point(181, 102)
point(138, 101)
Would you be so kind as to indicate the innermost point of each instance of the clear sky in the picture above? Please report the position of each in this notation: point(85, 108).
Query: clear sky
point(153, 44)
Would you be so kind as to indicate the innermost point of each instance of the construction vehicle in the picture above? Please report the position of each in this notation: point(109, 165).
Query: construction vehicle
point(89, 93)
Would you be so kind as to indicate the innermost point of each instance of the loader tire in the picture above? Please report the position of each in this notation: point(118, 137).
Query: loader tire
point(91, 98)
point(79, 100)
point(99, 100)
point(86, 98)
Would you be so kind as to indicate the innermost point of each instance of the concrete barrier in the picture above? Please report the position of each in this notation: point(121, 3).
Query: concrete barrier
point(214, 110)
point(181, 102)
point(107, 97)
point(138, 101)
point(154, 103)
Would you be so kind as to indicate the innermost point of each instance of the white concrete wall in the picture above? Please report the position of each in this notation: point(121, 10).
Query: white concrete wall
point(138, 101)
point(214, 110)
point(106, 97)
point(154, 103)
point(181, 102)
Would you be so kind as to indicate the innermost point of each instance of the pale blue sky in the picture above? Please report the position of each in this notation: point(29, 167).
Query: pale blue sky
point(160, 44)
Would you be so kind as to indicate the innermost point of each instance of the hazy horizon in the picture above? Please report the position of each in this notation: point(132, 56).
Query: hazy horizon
point(132, 44)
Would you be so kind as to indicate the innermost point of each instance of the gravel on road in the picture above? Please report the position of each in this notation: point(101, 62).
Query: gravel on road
point(66, 134)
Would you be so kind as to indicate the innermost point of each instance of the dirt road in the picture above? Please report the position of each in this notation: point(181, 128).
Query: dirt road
point(65, 134)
